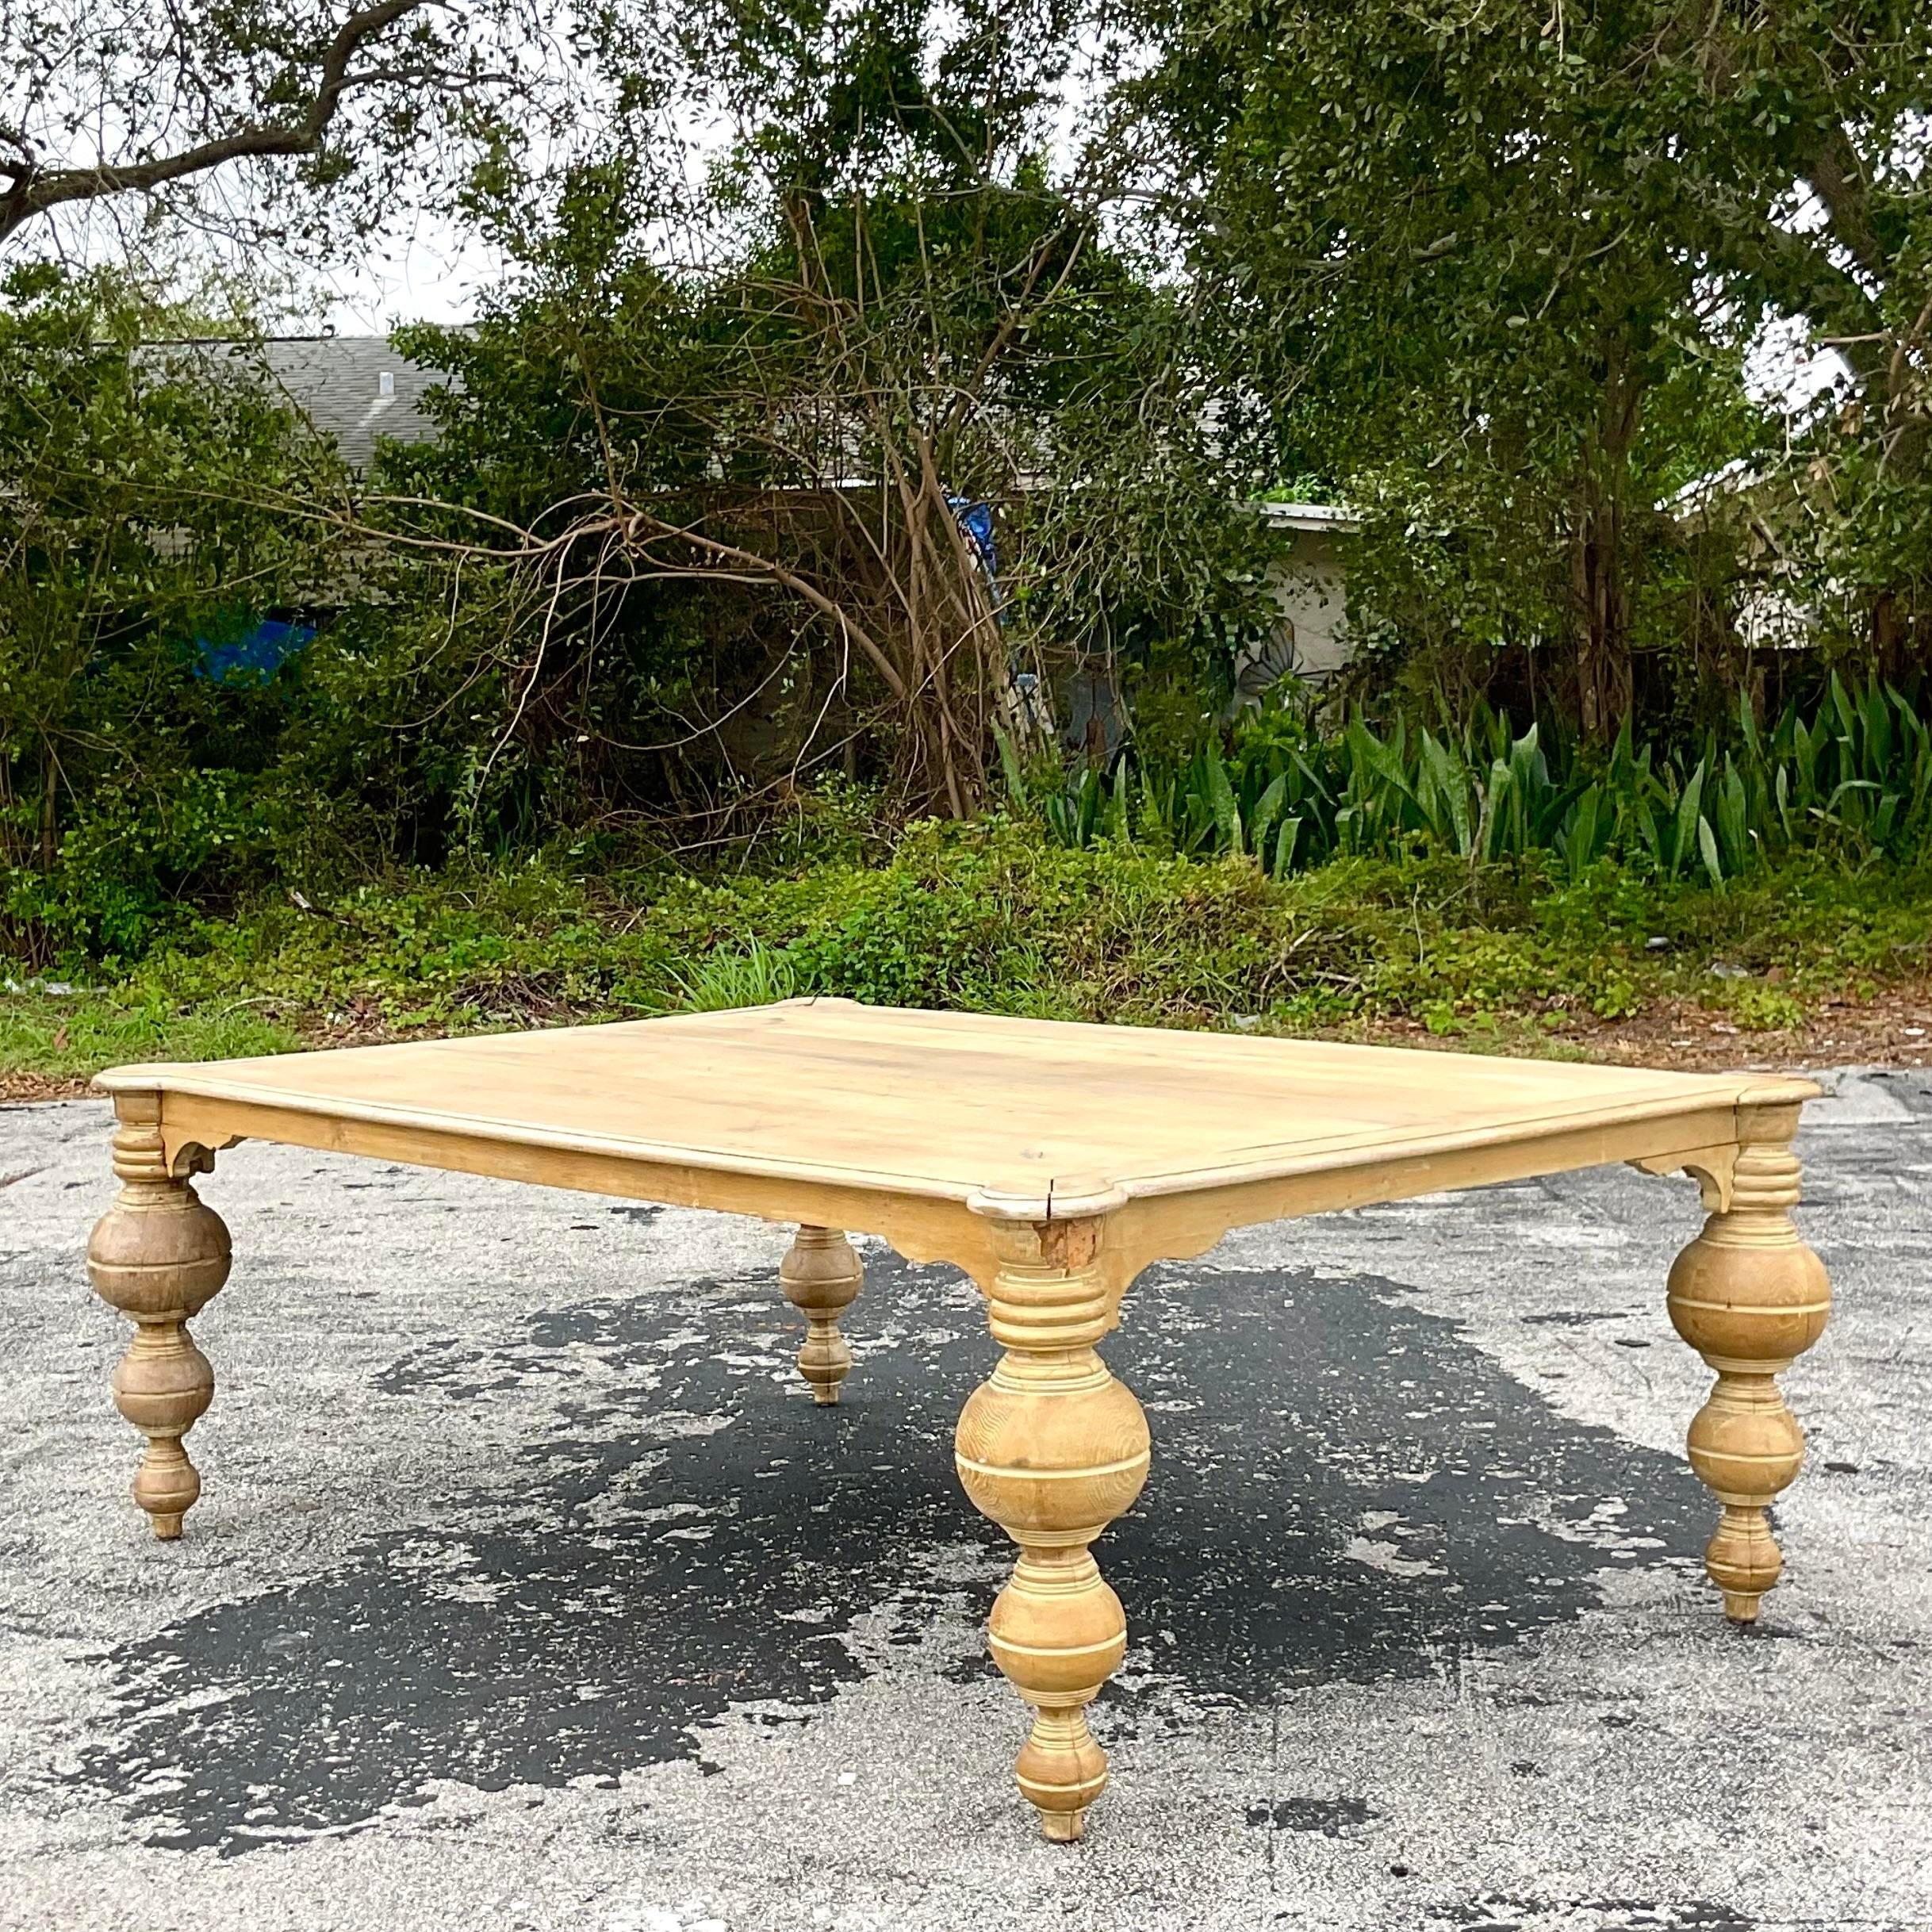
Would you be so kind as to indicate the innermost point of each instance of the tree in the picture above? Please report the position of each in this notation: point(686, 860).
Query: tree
point(914, 320)
point(141, 525)
point(276, 121)
point(1810, 160)
point(1804, 148)
point(1440, 239)
point(1478, 244)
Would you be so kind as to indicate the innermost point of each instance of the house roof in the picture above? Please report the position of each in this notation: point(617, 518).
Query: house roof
point(338, 383)
point(1309, 516)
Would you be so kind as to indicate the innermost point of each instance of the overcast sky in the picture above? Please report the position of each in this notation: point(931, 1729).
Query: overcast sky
point(428, 271)
point(429, 275)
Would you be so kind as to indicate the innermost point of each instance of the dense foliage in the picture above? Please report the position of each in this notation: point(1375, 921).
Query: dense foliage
point(709, 527)
point(135, 539)
point(1855, 777)
point(894, 457)
point(1498, 266)
point(993, 916)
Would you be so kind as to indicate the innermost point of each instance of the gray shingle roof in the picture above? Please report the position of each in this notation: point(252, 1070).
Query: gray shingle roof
point(337, 382)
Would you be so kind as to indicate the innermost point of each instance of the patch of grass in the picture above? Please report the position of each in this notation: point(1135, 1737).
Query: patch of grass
point(994, 917)
point(755, 977)
point(76, 1034)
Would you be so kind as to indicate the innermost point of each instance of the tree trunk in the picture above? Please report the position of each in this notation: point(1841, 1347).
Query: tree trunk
point(1599, 592)
point(1892, 631)
point(50, 809)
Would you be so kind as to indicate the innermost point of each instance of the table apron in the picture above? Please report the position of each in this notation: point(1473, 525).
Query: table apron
point(1175, 1225)
point(922, 1228)
point(1171, 1224)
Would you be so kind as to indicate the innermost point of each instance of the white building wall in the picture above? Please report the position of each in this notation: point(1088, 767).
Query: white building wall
point(1310, 588)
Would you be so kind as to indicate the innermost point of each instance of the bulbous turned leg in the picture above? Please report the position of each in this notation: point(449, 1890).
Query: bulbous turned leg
point(822, 1276)
point(159, 1254)
point(1052, 1448)
point(1750, 1297)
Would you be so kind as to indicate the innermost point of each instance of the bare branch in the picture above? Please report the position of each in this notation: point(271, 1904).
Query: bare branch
point(36, 189)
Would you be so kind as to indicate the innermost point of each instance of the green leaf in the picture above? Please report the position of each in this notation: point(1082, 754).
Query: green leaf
point(1221, 797)
point(1285, 845)
point(1688, 817)
point(1707, 845)
point(1010, 766)
point(1267, 807)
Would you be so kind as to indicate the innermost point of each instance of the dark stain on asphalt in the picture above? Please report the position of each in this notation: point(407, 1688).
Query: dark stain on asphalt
point(1515, 1915)
point(1333, 1818)
point(1343, 1488)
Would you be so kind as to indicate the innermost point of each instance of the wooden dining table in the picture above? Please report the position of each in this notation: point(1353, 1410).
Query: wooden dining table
point(1052, 1163)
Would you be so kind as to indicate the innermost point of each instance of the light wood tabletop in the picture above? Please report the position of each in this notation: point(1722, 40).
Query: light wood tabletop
point(947, 1106)
point(1054, 1162)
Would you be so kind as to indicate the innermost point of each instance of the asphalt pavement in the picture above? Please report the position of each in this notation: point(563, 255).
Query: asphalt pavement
point(529, 1590)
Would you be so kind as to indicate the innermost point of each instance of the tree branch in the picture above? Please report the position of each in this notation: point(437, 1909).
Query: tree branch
point(36, 191)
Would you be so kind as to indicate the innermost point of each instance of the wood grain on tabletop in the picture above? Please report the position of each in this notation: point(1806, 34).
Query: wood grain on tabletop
point(957, 1101)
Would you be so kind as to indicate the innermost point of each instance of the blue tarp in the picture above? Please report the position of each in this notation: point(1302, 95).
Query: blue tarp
point(976, 521)
point(252, 657)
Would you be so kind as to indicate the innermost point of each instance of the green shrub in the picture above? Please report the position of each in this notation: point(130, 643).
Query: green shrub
point(142, 486)
point(1855, 777)
point(995, 917)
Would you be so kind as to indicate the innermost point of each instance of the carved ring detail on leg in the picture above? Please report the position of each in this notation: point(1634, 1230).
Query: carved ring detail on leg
point(1052, 1448)
point(159, 1254)
point(821, 1277)
point(1750, 1297)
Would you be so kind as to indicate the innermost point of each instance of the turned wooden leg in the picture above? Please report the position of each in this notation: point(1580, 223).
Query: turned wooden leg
point(1750, 1297)
point(822, 1276)
point(1052, 1448)
point(159, 1254)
